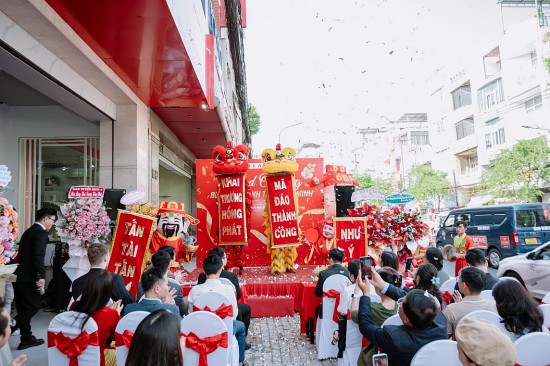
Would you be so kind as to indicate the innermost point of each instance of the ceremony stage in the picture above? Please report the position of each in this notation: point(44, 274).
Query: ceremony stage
point(275, 295)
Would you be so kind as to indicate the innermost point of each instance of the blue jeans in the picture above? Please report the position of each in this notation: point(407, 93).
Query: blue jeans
point(240, 333)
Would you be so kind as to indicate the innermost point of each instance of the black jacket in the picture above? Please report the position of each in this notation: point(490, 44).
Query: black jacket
point(323, 275)
point(32, 249)
point(119, 290)
point(225, 274)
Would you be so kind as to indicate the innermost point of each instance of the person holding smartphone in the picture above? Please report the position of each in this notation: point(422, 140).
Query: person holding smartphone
point(422, 321)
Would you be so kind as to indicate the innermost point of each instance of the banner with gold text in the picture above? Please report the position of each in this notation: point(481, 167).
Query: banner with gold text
point(131, 240)
point(351, 236)
point(231, 209)
point(282, 210)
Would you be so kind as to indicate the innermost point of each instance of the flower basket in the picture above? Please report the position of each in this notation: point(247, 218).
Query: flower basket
point(9, 230)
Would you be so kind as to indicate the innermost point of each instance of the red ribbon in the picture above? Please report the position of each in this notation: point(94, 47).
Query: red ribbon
point(124, 339)
point(206, 345)
point(223, 311)
point(334, 294)
point(72, 347)
point(348, 315)
point(447, 297)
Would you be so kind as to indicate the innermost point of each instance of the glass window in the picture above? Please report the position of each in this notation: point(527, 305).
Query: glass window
point(483, 219)
point(462, 96)
point(464, 217)
point(450, 222)
point(490, 95)
point(533, 217)
point(534, 59)
point(499, 218)
point(465, 128)
point(420, 138)
point(533, 104)
point(488, 143)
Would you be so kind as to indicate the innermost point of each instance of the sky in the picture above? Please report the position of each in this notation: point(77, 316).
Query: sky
point(336, 66)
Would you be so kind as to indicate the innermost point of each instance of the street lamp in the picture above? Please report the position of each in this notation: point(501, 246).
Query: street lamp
point(287, 127)
point(537, 128)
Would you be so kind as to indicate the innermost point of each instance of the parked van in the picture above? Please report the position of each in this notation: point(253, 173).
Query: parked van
point(502, 231)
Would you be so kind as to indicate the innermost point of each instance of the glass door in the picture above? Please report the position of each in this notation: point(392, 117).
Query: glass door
point(50, 167)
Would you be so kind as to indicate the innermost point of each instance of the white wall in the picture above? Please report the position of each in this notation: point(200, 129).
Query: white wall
point(173, 187)
point(50, 121)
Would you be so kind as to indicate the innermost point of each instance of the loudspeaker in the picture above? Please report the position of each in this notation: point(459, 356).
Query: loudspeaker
point(343, 199)
point(111, 199)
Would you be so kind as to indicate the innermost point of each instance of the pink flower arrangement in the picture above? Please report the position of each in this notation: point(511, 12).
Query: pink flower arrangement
point(9, 230)
point(85, 220)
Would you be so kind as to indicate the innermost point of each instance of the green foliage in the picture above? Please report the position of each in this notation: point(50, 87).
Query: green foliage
point(253, 120)
point(428, 184)
point(518, 172)
point(547, 64)
point(381, 184)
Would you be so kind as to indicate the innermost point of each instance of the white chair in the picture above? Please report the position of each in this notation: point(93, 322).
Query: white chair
point(545, 308)
point(487, 315)
point(448, 286)
point(393, 320)
point(124, 332)
point(220, 305)
point(326, 326)
point(353, 343)
point(532, 349)
point(64, 331)
point(546, 299)
point(444, 351)
point(226, 281)
point(487, 294)
point(199, 327)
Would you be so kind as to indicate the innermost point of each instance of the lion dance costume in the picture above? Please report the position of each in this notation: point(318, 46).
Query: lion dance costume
point(234, 200)
point(281, 215)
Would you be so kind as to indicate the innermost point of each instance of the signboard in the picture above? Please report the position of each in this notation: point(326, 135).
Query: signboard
point(86, 192)
point(231, 209)
point(505, 241)
point(131, 240)
point(350, 234)
point(399, 198)
point(479, 241)
point(282, 210)
point(366, 195)
point(5, 176)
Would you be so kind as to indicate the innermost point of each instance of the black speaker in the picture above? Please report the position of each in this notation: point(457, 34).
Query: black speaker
point(343, 199)
point(111, 199)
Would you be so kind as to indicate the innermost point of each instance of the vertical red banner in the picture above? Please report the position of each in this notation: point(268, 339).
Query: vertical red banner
point(282, 210)
point(131, 240)
point(351, 235)
point(231, 209)
point(209, 77)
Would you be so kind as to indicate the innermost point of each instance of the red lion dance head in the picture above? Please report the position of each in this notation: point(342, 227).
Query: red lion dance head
point(230, 160)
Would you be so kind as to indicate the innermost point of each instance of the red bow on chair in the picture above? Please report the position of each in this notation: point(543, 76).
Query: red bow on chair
point(72, 347)
point(334, 294)
point(223, 311)
point(124, 339)
point(206, 345)
point(447, 297)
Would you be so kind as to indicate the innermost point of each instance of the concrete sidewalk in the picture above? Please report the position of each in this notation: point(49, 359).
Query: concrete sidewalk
point(275, 342)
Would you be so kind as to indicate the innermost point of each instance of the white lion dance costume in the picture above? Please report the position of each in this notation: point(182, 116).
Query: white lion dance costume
point(281, 209)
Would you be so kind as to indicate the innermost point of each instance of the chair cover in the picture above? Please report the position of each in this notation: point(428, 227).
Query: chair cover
point(443, 351)
point(326, 326)
point(353, 345)
point(124, 332)
point(220, 305)
point(487, 294)
point(487, 315)
point(202, 327)
point(447, 289)
point(545, 308)
point(393, 320)
point(532, 349)
point(66, 340)
point(546, 299)
point(226, 281)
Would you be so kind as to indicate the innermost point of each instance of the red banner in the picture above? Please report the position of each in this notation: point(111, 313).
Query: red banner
point(282, 210)
point(310, 209)
point(86, 192)
point(231, 209)
point(131, 240)
point(351, 235)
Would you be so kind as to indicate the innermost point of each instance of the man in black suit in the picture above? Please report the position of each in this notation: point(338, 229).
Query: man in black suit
point(31, 275)
point(98, 255)
point(244, 309)
point(335, 258)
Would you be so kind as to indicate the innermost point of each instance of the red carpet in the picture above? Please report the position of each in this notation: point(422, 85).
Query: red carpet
point(267, 294)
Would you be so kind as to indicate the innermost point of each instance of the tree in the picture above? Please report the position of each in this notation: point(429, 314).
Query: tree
point(253, 120)
point(519, 172)
point(428, 184)
point(381, 184)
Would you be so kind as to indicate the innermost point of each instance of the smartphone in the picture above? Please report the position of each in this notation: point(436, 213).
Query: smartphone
point(366, 267)
point(380, 359)
point(408, 264)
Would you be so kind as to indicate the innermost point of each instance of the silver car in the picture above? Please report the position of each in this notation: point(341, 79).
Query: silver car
point(531, 269)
